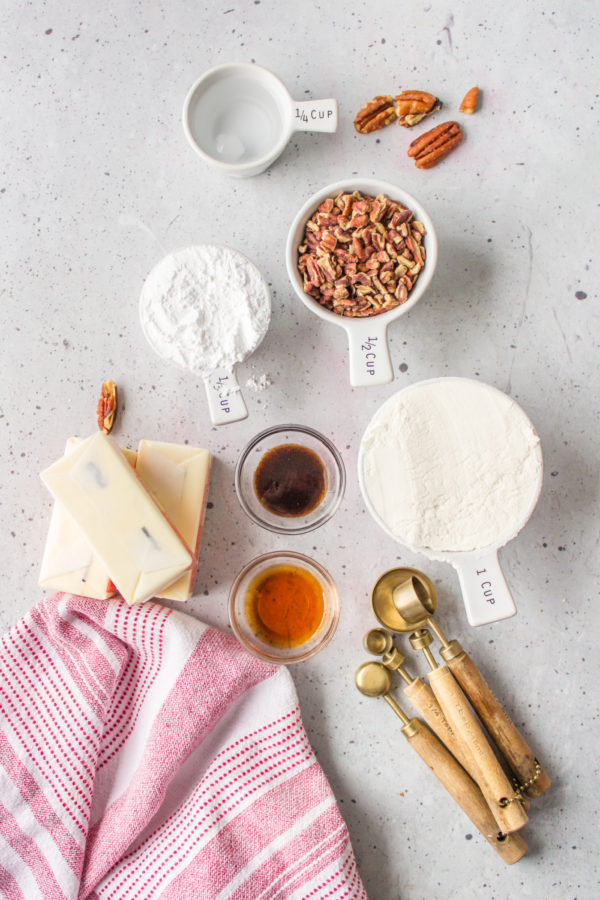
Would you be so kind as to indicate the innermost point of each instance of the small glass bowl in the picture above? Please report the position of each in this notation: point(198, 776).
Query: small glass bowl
point(243, 629)
point(279, 435)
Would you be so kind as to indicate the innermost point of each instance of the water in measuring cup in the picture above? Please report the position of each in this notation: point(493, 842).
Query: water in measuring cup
point(230, 147)
point(236, 121)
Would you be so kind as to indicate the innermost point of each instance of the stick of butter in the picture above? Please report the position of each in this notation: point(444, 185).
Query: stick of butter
point(69, 563)
point(131, 536)
point(178, 477)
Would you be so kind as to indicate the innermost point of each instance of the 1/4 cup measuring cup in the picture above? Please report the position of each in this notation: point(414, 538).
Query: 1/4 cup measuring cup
point(239, 117)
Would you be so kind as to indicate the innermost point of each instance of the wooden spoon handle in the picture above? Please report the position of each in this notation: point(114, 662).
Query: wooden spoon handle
point(513, 746)
point(510, 847)
point(494, 784)
point(423, 699)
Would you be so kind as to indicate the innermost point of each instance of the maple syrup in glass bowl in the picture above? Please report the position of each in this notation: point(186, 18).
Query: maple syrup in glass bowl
point(284, 607)
point(290, 479)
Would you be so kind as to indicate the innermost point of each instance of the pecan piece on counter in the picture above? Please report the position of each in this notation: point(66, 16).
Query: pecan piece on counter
point(433, 146)
point(376, 114)
point(107, 407)
point(412, 106)
point(469, 103)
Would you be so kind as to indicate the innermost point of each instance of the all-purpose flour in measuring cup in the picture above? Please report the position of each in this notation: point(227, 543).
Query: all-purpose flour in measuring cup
point(206, 308)
point(452, 468)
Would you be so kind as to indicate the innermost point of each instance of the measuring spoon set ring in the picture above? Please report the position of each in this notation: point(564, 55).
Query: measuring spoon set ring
point(456, 749)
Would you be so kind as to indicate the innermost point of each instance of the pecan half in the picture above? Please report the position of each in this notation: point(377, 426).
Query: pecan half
point(376, 114)
point(433, 146)
point(412, 106)
point(107, 407)
point(469, 102)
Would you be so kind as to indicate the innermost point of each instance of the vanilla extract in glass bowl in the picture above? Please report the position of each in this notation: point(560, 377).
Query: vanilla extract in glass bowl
point(290, 479)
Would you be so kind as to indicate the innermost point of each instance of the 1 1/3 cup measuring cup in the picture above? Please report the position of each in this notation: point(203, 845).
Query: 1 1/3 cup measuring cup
point(239, 117)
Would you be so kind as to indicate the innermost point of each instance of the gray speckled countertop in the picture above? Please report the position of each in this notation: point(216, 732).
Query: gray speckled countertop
point(97, 182)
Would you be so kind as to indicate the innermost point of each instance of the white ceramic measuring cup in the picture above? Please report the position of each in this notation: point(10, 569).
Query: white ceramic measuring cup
point(239, 117)
point(369, 354)
point(486, 595)
point(167, 310)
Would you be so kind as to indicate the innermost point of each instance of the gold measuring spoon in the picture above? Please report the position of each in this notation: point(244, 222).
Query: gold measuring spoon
point(393, 592)
point(373, 680)
point(381, 643)
point(414, 599)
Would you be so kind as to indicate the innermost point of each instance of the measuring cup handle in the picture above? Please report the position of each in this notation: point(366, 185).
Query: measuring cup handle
point(369, 354)
point(225, 401)
point(315, 115)
point(486, 595)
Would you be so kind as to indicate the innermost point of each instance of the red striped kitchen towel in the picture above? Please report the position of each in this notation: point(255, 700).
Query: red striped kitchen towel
point(144, 754)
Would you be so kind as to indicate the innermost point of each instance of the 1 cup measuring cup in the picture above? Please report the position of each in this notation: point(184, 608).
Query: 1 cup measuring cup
point(369, 356)
point(239, 117)
point(206, 308)
point(452, 468)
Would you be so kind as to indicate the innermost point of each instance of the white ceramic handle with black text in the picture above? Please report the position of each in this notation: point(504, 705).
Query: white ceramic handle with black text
point(315, 115)
point(485, 592)
point(225, 401)
point(369, 354)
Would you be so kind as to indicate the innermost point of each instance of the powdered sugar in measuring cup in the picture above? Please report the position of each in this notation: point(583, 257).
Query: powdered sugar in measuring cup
point(206, 308)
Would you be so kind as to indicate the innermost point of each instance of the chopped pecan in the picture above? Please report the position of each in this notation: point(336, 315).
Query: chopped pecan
point(400, 217)
point(327, 267)
point(376, 114)
point(107, 407)
point(377, 210)
point(314, 275)
point(412, 106)
point(430, 148)
point(378, 240)
point(368, 274)
point(329, 241)
point(358, 247)
point(344, 203)
point(469, 103)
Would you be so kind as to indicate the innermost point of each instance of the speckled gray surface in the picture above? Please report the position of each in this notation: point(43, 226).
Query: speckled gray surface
point(97, 182)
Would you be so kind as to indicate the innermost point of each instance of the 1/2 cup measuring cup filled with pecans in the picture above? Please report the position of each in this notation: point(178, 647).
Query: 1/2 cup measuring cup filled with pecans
point(360, 253)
